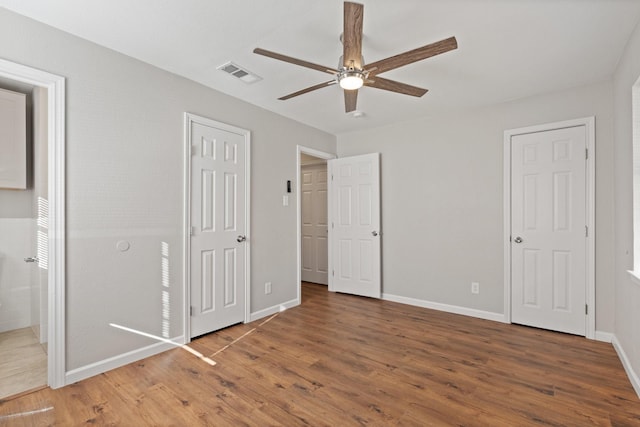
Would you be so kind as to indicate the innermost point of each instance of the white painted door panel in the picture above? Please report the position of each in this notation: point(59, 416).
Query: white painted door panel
point(313, 189)
point(548, 219)
point(217, 275)
point(355, 232)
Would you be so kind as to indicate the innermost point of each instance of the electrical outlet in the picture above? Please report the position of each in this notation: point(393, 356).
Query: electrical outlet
point(475, 287)
point(267, 288)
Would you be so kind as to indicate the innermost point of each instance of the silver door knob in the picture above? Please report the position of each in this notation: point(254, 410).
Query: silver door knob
point(31, 259)
point(518, 239)
point(374, 233)
point(241, 239)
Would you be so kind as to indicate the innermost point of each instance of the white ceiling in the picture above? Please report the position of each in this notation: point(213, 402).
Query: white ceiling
point(508, 49)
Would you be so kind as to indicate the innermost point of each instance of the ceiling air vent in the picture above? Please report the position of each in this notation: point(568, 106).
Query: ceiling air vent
point(239, 72)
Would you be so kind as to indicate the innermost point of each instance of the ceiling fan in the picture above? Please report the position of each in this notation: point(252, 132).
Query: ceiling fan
point(352, 73)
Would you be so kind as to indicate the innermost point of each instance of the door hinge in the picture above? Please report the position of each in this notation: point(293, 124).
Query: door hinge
point(333, 273)
point(331, 177)
point(586, 309)
point(586, 153)
point(191, 231)
point(586, 231)
point(332, 226)
point(194, 150)
point(191, 310)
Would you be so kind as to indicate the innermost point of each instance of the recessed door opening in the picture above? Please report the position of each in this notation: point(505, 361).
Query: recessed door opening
point(23, 247)
point(313, 214)
point(314, 226)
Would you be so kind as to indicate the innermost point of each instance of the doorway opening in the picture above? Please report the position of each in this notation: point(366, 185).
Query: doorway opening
point(23, 262)
point(312, 215)
point(47, 217)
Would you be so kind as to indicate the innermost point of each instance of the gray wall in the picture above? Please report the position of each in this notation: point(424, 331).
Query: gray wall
point(627, 292)
point(125, 181)
point(442, 197)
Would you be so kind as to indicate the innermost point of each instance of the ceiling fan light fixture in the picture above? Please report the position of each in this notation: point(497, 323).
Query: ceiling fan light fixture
point(351, 79)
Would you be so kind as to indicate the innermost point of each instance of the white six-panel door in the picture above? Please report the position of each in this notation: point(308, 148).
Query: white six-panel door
point(218, 244)
point(355, 228)
point(548, 229)
point(315, 229)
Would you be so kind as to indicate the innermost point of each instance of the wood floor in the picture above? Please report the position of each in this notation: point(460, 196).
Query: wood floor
point(340, 360)
point(23, 362)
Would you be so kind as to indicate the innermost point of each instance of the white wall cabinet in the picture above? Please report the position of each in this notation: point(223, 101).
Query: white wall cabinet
point(13, 140)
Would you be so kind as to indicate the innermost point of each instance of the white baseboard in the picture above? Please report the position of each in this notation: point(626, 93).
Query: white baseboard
point(604, 336)
point(633, 377)
point(274, 309)
point(487, 315)
point(105, 365)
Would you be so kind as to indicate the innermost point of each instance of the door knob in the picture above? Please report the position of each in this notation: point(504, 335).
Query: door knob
point(31, 259)
point(374, 233)
point(518, 239)
point(241, 239)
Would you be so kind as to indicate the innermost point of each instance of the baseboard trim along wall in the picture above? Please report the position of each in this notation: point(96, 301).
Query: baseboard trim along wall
point(633, 376)
point(487, 315)
point(105, 365)
point(604, 336)
point(274, 309)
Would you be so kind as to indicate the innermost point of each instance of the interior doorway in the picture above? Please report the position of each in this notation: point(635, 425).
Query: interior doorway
point(313, 209)
point(314, 223)
point(23, 278)
point(50, 233)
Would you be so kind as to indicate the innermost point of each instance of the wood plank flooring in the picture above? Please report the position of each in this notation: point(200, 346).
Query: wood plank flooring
point(23, 362)
point(340, 360)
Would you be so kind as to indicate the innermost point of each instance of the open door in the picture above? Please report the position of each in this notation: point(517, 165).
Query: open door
point(354, 194)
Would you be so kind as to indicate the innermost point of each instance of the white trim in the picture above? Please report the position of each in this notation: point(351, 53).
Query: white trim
point(322, 155)
point(274, 309)
point(590, 294)
point(105, 365)
point(633, 376)
point(455, 309)
point(190, 118)
point(55, 86)
point(635, 277)
point(604, 336)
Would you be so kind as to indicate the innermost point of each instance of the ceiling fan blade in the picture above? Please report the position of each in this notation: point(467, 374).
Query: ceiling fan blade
point(307, 90)
point(294, 61)
point(393, 86)
point(350, 100)
point(352, 35)
point(412, 56)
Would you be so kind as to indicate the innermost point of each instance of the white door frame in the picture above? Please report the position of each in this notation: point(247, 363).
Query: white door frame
point(589, 124)
point(190, 118)
point(300, 149)
point(55, 87)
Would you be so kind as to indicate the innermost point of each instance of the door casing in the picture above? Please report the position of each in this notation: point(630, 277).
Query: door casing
point(190, 118)
point(56, 143)
point(589, 124)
